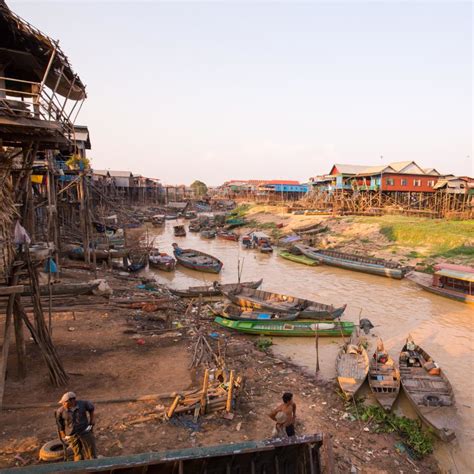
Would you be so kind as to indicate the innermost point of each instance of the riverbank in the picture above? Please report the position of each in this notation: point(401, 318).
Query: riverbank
point(413, 241)
point(123, 353)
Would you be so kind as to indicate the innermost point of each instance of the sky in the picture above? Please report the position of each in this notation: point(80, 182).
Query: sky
point(268, 90)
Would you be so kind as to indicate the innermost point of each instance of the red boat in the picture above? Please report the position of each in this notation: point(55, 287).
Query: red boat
point(226, 235)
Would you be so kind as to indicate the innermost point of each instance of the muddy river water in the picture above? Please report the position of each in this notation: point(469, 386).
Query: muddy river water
point(443, 327)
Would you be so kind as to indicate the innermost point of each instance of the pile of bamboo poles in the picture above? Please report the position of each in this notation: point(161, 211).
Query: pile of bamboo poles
point(219, 391)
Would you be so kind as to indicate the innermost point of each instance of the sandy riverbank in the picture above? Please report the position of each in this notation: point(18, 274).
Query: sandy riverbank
point(411, 240)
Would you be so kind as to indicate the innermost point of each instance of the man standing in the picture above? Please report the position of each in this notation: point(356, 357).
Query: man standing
point(75, 419)
point(288, 408)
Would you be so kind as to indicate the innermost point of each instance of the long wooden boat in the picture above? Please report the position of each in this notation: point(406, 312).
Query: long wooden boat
point(266, 300)
point(161, 261)
point(384, 377)
point(297, 258)
point(428, 390)
point(236, 313)
point(196, 260)
point(360, 263)
point(298, 328)
point(214, 289)
point(352, 367)
point(451, 281)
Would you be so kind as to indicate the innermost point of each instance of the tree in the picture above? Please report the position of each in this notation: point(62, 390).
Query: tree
point(199, 188)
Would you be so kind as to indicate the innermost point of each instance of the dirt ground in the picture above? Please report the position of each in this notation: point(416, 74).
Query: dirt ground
point(106, 360)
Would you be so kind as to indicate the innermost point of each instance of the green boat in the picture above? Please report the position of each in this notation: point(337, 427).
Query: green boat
point(298, 258)
point(298, 328)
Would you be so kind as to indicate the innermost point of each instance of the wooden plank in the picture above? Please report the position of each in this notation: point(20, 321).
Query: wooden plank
point(11, 290)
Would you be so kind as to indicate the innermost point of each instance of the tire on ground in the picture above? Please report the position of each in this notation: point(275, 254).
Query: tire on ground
point(52, 451)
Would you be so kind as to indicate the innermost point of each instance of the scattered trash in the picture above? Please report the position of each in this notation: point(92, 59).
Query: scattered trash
point(141, 341)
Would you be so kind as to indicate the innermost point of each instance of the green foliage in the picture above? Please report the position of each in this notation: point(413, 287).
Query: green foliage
point(263, 343)
point(442, 237)
point(240, 211)
point(199, 188)
point(419, 441)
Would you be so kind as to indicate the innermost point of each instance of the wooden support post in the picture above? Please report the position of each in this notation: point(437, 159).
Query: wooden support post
point(8, 329)
point(230, 392)
point(173, 406)
point(205, 386)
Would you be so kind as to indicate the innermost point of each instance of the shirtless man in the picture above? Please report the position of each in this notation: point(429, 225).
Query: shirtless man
point(288, 407)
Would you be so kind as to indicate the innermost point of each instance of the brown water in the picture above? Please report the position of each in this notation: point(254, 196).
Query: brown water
point(444, 328)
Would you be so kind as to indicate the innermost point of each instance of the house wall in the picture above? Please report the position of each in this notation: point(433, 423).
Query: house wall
point(426, 182)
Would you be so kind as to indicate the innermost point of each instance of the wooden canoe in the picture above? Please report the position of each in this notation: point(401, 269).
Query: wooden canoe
point(360, 263)
point(238, 314)
point(162, 261)
point(266, 300)
point(431, 395)
point(384, 378)
point(200, 261)
point(297, 258)
point(352, 367)
point(426, 282)
point(298, 328)
point(214, 289)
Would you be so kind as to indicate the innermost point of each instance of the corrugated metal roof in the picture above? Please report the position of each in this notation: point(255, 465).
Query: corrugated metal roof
point(350, 169)
point(465, 276)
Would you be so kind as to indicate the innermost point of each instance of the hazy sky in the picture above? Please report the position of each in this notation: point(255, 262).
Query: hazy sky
point(220, 90)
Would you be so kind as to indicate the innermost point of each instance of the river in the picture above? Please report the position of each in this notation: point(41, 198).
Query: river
point(444, 328)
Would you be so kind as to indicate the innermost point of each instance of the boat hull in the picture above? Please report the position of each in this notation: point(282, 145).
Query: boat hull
point(186, 261)
point(288, 328)
point(211, 291)
point(420, 387)
point(424, 282)
point(351, 369)
point(311, 312)
point(298, 258)
point(373, 269)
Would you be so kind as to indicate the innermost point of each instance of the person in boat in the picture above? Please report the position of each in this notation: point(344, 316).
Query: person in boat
point(288, 407)
point(177, 249)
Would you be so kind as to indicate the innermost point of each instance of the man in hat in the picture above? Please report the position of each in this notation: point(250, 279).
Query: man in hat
point(288, 408)
point(75, 419)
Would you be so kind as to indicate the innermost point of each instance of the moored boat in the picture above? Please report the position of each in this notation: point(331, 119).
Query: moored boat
point(194, 226)
point(158, 220)
point(297, 258)
point(265, 247)
point(451, 281)
point(352, 366)
point(238, 314)
point(384, 377)
point(258, 299)
point(214, 289)
point(360, 263)
point(298, 328)
point(179, 231)
point(161, 261)
point(196, 260)
point(228, 235)
point(428, 390)
point(208, 233)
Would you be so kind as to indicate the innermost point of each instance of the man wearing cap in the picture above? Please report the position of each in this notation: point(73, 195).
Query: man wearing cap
point(75, 419)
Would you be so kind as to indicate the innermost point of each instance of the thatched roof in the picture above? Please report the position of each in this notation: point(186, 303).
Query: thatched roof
point(25, 53)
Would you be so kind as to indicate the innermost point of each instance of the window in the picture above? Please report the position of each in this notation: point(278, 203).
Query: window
point(430, 183)
point(390, 182)
point(417, 182)
point(404, 182)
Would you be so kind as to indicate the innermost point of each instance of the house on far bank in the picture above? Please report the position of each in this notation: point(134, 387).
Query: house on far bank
point(402, 176)
point(269, 188)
